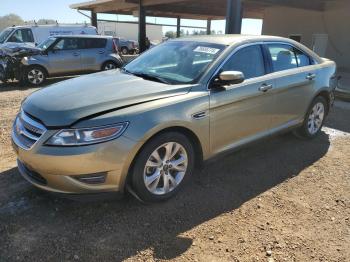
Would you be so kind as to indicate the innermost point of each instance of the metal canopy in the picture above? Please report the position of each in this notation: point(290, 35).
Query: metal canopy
point(193, 9)
point(231, 10)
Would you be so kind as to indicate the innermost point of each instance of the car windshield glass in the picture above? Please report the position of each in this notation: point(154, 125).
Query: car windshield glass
point(175, 62)
point(4, 34)
point(47, 43)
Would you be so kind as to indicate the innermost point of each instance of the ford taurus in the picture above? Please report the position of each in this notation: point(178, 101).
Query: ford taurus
point(148, 125)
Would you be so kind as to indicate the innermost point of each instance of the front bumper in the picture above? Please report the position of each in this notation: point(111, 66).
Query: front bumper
point(56, 169)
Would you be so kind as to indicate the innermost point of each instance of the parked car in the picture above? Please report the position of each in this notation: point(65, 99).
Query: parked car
point(126, 47)
point(11, 55)
point(65, 55)
point(150, 124)
point(35, 34)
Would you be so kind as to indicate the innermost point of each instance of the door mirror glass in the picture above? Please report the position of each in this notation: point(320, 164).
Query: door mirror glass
point(229, 78)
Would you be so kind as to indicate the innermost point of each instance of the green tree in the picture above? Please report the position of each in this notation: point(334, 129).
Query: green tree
point(10, 20)
point(170, 34)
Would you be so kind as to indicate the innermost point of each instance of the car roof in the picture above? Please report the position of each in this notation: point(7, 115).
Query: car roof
point(83, 36)
point(232, 39)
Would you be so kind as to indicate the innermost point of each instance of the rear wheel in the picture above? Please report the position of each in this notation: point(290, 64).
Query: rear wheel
point(125, 51)
point(162, 167)
point(314, 119)
point(35, 75)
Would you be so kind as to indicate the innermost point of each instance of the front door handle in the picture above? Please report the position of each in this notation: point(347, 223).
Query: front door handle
point(311, 76)
point(76, 54)
point(265, 88)
point(101, 52)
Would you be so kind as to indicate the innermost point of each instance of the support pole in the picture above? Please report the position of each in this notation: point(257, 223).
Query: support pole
point(142, 27)
point(234, 16)
point(94, 19)
point(178, 27)
point(208, 26)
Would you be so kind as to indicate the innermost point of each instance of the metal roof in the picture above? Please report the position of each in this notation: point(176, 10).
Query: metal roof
point(195, 9)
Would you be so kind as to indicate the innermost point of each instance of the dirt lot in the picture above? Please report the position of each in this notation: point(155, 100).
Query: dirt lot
point(280, 200)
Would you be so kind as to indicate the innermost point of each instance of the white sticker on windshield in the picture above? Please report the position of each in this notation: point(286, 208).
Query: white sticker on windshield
point(207, 50)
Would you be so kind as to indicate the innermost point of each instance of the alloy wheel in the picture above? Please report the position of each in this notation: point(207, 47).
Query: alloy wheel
point(316, 118)
point(35, 76)
point(165, 168)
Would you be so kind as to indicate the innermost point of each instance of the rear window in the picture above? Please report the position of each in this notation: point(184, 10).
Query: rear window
point(91, 43)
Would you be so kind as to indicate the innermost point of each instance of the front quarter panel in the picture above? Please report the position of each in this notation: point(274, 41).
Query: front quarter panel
point(148, 119)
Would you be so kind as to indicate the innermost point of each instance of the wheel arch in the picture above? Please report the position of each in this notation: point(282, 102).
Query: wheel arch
point(193, 138)
point(38, 65)
point(327, 96)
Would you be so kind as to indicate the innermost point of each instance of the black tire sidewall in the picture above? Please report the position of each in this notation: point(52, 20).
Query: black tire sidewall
point(125, 53)
point(30, 68)
point(107, 63)
point(141, 159)
point(304, 131)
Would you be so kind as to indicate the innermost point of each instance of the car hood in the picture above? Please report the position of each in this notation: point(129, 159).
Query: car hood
point(65, 103)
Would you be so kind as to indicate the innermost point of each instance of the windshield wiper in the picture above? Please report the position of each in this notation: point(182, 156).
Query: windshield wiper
point(146, 76)
point(151, 77)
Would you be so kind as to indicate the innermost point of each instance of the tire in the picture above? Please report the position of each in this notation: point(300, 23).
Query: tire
point(109, 65)
point(2, 74)
point(148, 170)
point(125, 51)
point(35, 75)
point(314, 119)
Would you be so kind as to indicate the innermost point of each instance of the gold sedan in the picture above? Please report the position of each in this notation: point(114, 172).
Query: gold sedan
point(151, 123)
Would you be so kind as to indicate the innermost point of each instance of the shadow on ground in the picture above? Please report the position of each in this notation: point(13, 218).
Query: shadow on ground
point(341, 108)
point(34, 224)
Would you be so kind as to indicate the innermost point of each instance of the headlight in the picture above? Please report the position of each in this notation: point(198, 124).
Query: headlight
point(87, 136)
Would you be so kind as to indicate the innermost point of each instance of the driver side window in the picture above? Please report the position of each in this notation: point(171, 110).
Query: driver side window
point(248, 60)
point(22, 36)
point(67, 44)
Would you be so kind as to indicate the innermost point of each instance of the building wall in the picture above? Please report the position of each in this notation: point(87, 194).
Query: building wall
point(334, 22)
point(129, 30)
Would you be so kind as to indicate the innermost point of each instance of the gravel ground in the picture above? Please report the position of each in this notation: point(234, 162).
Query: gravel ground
point(283, 199)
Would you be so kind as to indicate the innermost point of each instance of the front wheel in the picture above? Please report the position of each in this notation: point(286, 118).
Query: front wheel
point(35, 75)
point(162, 167)
point(110, 65)
point(314, 119)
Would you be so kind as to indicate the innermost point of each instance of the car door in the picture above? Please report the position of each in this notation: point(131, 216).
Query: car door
point(92, 56)
point(241, 113)
point(65, 56)
point(294, 75)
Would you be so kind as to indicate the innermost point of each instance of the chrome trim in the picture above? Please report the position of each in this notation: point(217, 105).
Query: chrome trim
point(199, 115)
point(258, 43)
point(26, 128)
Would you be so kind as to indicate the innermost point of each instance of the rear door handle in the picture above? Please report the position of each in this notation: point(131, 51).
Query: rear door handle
point(265, 88)
point(101, 52)
point(311, 76)
point(76, 54)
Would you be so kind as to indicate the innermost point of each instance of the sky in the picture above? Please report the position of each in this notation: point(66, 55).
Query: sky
point(59, 10)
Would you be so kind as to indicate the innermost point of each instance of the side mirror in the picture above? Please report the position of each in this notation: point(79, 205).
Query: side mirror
point(231, 77)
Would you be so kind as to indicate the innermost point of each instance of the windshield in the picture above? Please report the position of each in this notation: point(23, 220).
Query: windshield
point(176, 62)
point(4, 34)
point(47, 43)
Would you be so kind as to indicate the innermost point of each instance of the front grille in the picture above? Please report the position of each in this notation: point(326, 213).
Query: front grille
point(27, 131)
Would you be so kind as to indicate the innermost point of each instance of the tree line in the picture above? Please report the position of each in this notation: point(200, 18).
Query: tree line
point(16, 20)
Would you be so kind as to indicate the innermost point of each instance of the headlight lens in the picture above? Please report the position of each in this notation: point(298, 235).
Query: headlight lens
point(87, 136)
